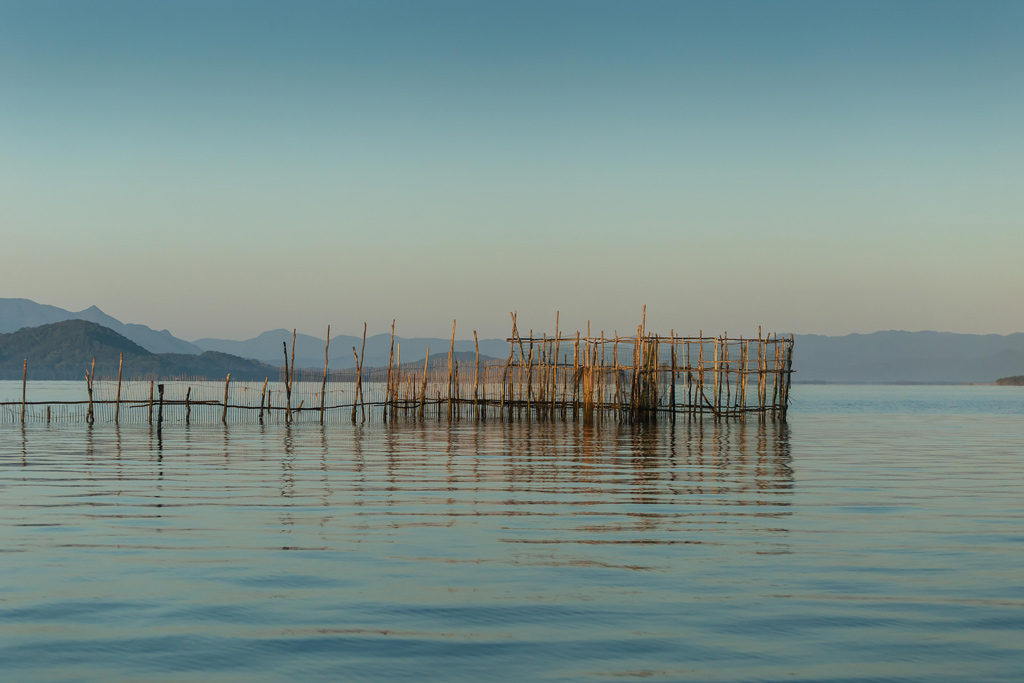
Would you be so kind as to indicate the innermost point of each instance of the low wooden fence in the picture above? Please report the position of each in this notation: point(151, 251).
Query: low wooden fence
point(638, 377)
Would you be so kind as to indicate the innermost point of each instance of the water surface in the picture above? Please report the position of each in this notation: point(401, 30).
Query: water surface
point(877, 536)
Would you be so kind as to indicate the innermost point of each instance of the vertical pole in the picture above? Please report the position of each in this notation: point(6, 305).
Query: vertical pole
point(398, 379)
point(117, 404)
point(224, 415)
point(160, 409)
point(451, 385)
point(263, 397)
point(24, 383)
point(323, 384)
point(387, 384)
point(90, 416)
point(554, 376)
point(576, 377)
point(150, 402)
point(359, 382)
point(423, 389)
point(476, 378)
point(287, 384)
point(672, 387)
point(188, 405)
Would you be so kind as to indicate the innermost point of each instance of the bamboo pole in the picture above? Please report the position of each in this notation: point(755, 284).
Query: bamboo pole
point(398, 378)
point(672, 387)
point(90, 416)
point(24, 387)
point(576, 377)
point(359, 379)
point(554, 378)
point(263, 397)
point(700, 372)
point(451, 377)
point(227, 383)
point(150, 402)
point(188, 405)
point(476, 378)
point(323, 384)
point(117, 403)
point(423, 390)
point(160, 409)
point(387, 381)
point(287, 383)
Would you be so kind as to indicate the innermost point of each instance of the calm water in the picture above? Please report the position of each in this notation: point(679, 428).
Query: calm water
point(879, 536)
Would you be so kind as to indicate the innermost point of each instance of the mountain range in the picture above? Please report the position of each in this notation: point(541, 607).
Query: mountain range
point(887, 356)
point(65, 350)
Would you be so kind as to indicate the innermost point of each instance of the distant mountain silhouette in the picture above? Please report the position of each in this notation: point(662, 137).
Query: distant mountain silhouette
point(18, 313)
point(896, 356)
point(64, 350)
point(309, 350)
point(879, 357)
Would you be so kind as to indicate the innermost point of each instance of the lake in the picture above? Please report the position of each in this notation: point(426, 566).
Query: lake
point(879, 535)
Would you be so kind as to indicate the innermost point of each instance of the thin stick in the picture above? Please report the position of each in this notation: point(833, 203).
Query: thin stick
point(387, 385)
point(188, 405)
point(90, 416)
point(423, 390)
point(451, 386)
point(359, 381)
point(160, 409)
point(224, 415)
point(263, 397)
point(476, 377)
point(287, 383)
point(323, 384)
point(24, 383)
point(117, 405)
point(150, 402)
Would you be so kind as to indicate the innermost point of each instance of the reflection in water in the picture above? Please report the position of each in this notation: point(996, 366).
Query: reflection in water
point(547, 550)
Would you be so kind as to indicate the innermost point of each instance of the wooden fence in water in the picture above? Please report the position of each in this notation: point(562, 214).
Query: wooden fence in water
point(638, 377)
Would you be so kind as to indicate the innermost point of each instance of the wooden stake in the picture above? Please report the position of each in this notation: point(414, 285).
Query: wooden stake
point(160, 409)
point(150, 402)
point(476, 377)
point(227, 383)
point(323, 384)
point(90, 416)
point(387, 384)
point(117, 404)
point(423, 390)
point(263, 397)
point(287, 383)
point(188, 405)
point(451, 386)
point(24, 383)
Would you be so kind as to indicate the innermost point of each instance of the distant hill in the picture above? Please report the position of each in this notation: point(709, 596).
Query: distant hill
point(64, 350)
point(309, 350)
point(1015, 381)
point(907, 357)
point(18, 313)
point(879, 357)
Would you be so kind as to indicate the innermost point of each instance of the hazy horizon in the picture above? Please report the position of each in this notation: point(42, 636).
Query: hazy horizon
point(223, 169)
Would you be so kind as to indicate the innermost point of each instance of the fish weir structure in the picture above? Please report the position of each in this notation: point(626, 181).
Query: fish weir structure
point(629, 378)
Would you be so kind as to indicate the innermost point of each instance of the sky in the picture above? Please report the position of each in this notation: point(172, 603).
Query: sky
point(222, 168)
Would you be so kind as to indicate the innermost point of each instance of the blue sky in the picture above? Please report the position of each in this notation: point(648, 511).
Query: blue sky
point(220, 168)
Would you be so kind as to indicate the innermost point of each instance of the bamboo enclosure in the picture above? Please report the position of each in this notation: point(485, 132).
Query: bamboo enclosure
point(635, 377)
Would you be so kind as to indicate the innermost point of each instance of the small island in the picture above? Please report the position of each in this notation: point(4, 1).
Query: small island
point(1015, 381)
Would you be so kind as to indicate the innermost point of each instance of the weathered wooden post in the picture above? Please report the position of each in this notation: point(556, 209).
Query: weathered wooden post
point(24, 383)
point(117, 402)
point(323, 385)
point(224, 415)
point(160, 408)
